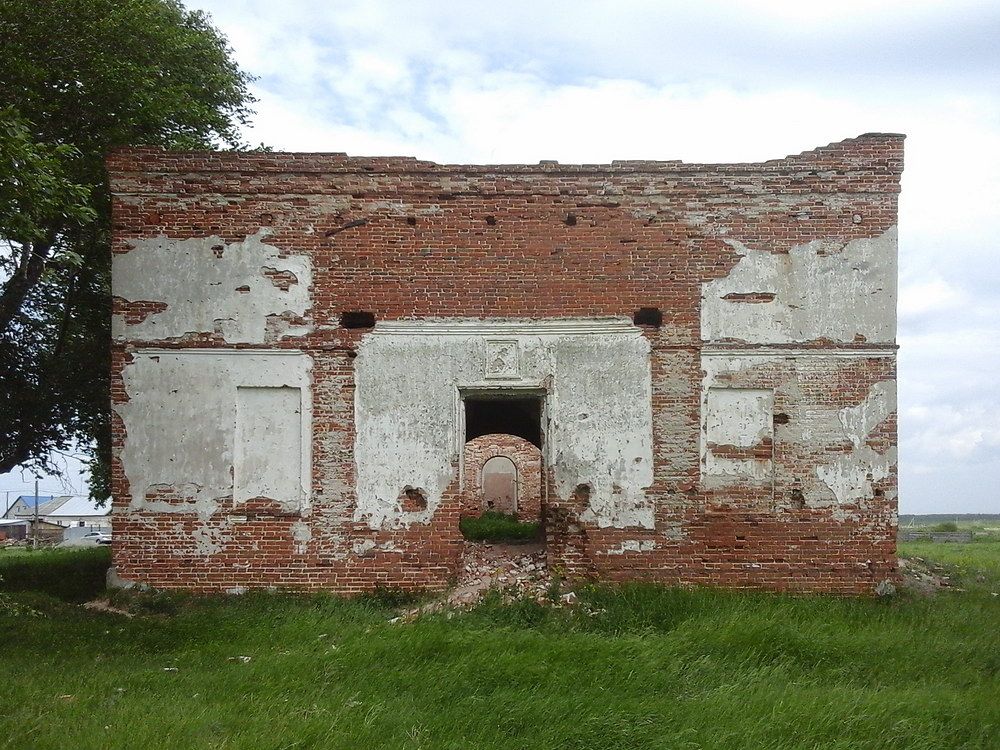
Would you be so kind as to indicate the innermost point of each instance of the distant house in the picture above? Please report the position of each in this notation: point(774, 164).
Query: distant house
point(78, 511)
point(24, 506)
point(58, 517)
point(26, 528)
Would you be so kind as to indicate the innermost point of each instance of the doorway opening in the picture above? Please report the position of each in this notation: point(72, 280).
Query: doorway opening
point(499, 484)
point(502, 466)
point(503, 412)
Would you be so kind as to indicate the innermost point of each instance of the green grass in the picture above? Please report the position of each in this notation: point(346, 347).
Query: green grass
point(498, 527)
point(632, 666)
point(979, 559)
point(74, 575)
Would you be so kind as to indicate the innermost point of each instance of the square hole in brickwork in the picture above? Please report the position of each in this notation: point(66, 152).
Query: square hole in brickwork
point(648, 316)
point(357, 319)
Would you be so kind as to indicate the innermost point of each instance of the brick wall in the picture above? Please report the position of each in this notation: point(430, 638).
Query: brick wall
point(527, 460)
point(409, 240)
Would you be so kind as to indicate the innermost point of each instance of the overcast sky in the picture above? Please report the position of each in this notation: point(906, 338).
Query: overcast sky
point(705, 81)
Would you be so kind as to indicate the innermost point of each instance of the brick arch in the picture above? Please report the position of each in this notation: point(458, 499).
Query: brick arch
point(527, 460)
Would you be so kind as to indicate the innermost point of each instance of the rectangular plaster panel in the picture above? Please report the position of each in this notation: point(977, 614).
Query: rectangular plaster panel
point(184, 437)
point(268, 442)
point(839, 477)
point(735, 419)
point(240, 291)
point(824, 289)
point(599, 432)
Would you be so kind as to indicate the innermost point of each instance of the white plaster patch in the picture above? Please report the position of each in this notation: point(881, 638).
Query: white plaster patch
point(208, 539)
point(301, 536)
point(598, 430)
point(268, 444)
point(741, 418)
point(207, 289)
point(859, 421)
point(738, 416)
point(632, 545)
point(821, 289)
point(181, 423)
point(364, 546)
point(674, 531)
point(851, 476)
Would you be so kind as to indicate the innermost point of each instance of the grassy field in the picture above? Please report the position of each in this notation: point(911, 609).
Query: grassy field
point(627, 667)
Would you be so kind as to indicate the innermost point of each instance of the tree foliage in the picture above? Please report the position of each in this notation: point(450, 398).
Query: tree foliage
point(78, 78)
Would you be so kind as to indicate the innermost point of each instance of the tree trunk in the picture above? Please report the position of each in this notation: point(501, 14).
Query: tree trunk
point(16, 290)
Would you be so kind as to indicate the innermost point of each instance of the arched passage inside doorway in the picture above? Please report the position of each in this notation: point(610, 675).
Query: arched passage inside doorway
point(498, 485)
point(498, 467)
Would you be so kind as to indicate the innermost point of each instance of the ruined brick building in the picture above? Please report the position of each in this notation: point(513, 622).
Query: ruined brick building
point(307, 348)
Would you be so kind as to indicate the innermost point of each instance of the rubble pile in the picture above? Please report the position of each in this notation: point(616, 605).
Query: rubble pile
point(924, 577)
point(515, 570)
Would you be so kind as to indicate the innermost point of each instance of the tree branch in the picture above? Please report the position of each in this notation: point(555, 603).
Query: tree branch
point(25, 278)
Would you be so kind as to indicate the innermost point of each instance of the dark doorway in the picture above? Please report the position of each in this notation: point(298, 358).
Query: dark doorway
point(487, 415)
point(496, 508)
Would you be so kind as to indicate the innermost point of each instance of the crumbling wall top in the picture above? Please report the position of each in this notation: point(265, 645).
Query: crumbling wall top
point(874, 153)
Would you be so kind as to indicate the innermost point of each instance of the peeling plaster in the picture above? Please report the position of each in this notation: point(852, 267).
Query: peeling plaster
point(209, 286)
point(822, 289)
point(859, 421)
point(301, 536)
point(738, 417)
point(851, 476)
point(847, 479)
point(181, 422)
point(408, 413)
point(673, 532)
point(632, 545)
point(209, 540)
point(362, 547)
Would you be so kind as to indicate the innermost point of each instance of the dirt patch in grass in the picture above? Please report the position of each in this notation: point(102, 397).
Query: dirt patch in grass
point(923, 577)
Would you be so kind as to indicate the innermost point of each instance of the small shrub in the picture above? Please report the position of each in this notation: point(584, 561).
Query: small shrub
point(499, 527)
point(945, 526)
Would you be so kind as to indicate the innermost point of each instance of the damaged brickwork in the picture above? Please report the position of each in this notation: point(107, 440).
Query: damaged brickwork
point(306, 348)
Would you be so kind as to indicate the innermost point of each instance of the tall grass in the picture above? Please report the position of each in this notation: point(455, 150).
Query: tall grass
point(492, 526)
point(633, 666)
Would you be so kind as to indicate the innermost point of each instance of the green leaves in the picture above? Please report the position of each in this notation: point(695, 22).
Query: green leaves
point(79, 78)
point(37, 193)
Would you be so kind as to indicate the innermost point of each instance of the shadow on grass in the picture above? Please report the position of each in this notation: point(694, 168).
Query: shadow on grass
point(72, 575)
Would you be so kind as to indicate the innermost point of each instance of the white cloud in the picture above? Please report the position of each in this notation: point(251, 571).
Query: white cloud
point(931, 295)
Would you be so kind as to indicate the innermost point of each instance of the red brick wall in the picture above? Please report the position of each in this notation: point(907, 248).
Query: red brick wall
point(407, 239)
point(527, 460)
